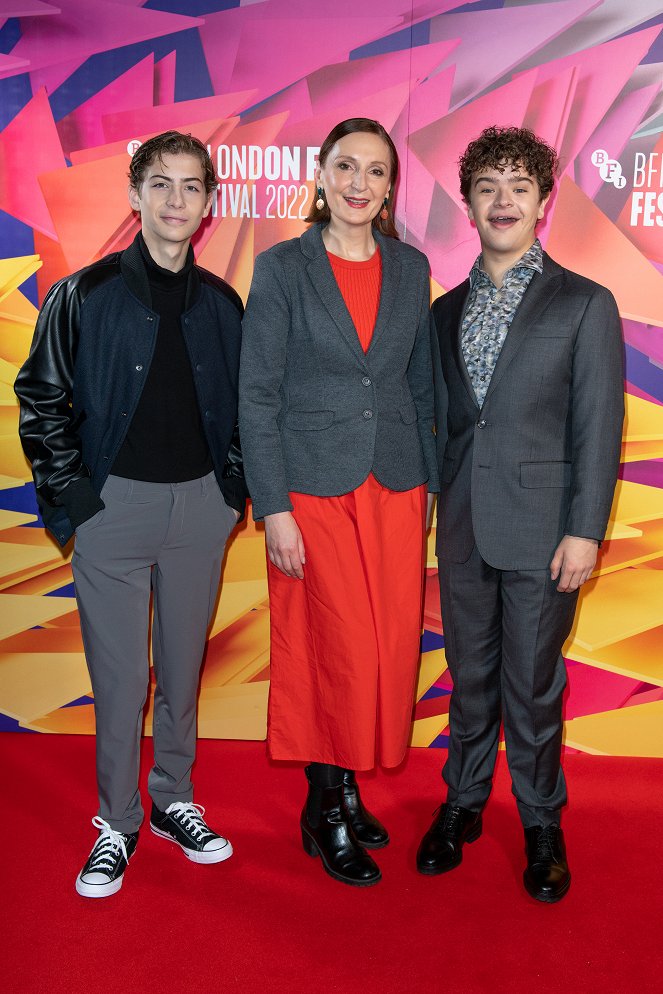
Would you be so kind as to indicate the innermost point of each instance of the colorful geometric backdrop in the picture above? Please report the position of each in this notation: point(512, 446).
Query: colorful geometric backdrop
point(262, 82)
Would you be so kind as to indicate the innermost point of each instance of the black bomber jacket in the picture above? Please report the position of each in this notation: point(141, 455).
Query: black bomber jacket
point(80, 386)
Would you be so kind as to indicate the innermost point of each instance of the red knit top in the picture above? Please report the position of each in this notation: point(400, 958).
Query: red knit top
point(360, 284)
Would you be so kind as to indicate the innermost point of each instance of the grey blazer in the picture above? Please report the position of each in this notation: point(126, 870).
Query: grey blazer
point(316, 414)
point(540, 459)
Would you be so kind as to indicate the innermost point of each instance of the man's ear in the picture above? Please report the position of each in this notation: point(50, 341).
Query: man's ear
point(208, 205)
point(134, 198)
point(470, 213)
point(542, 207)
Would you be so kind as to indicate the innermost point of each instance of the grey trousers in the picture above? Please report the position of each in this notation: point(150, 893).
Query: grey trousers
point(164, 541)
point(504, 631)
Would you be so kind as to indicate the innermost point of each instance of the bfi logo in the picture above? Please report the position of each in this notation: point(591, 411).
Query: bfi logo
point(609, 169)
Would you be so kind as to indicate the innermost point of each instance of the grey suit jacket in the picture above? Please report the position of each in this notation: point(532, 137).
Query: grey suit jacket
point(316, 414)
point(540, 459)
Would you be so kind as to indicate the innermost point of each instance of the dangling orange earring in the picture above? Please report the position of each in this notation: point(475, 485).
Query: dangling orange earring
point(384, 213)
point(320, 203)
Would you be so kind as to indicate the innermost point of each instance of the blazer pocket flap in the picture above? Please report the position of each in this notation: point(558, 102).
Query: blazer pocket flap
point(552, 329)
point(408, 413)
point(545, 474)
point(308, 420)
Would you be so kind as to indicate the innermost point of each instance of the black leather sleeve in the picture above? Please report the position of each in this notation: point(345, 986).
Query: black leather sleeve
point(235, 491)
point(44, 389)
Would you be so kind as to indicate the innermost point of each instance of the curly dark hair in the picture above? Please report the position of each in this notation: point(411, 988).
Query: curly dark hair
point(170, 143)
point(351, 127)
point(496, 148)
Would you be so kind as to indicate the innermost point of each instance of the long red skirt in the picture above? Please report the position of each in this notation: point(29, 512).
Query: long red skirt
point(345, 639)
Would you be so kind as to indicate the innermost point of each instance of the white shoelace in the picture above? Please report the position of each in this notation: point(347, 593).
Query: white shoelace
point(106, 848)
point(190, 817)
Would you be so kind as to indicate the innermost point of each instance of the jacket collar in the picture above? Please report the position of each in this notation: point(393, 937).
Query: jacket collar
point(325, 285)
point(134, 272)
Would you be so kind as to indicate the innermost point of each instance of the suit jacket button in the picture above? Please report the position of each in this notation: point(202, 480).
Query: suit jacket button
point(368, 414)
point(366, 381)
point(481, 424)
point(139, 368)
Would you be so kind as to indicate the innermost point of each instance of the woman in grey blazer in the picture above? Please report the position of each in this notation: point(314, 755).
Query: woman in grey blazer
point(336, 420)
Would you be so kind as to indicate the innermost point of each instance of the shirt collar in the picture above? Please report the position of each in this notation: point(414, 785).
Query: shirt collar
point(532, 259)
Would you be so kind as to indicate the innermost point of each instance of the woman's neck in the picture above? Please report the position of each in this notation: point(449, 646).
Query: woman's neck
point(349, 241)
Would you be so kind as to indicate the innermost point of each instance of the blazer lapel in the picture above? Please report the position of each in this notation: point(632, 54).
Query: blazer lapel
point(324, 283)
point(391, 279)
point(539, 293)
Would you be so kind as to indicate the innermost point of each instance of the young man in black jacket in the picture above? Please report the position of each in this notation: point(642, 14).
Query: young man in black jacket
point(128, 416)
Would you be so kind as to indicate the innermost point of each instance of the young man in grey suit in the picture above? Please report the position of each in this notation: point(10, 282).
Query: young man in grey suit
point(529, 398)
point(128, 416)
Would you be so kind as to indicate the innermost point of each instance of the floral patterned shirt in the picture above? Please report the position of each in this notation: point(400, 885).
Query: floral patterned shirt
point(489, 314)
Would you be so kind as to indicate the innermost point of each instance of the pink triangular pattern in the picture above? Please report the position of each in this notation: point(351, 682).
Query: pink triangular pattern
point(494, 42)
point(29, 145)
point(439, 145)
point(83, 128)
point(612, 135)
point(428, 102)
point(164, 80)
point(601, 75)
point(331, 85)
point(83, 29)
point(128, 124)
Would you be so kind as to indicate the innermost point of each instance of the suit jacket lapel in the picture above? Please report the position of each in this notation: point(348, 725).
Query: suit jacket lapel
point(457, 309)
point(539, 293)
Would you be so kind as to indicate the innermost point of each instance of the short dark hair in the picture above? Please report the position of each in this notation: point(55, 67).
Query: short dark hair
point(352, 126)
point(496, 147)
point(170, 143)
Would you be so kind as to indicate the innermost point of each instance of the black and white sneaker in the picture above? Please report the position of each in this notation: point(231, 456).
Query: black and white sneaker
point(102, 874)
point(182, 822)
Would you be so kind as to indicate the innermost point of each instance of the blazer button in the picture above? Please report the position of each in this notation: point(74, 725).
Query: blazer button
point(481, 424)
point(366, 381)
point(368, 415)
point(199, 368)
point(139, 368)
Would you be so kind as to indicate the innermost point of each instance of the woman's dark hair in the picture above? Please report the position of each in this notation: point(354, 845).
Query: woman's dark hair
point(496, 148)
point(170, 143)
point(350, 127)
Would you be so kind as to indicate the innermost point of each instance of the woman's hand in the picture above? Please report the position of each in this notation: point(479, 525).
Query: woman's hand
point(285, 546)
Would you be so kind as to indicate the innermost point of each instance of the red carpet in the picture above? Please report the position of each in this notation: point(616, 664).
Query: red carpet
point(269, 921)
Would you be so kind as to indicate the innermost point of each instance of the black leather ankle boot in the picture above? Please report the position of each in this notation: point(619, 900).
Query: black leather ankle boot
point(369, 832)
point(326, 832)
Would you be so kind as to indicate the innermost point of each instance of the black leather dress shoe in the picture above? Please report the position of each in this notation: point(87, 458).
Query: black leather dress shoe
point(547, 877)
point(369, 832)
point(441, 848)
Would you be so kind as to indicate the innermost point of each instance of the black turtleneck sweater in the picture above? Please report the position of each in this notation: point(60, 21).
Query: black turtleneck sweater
point(165, 442)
